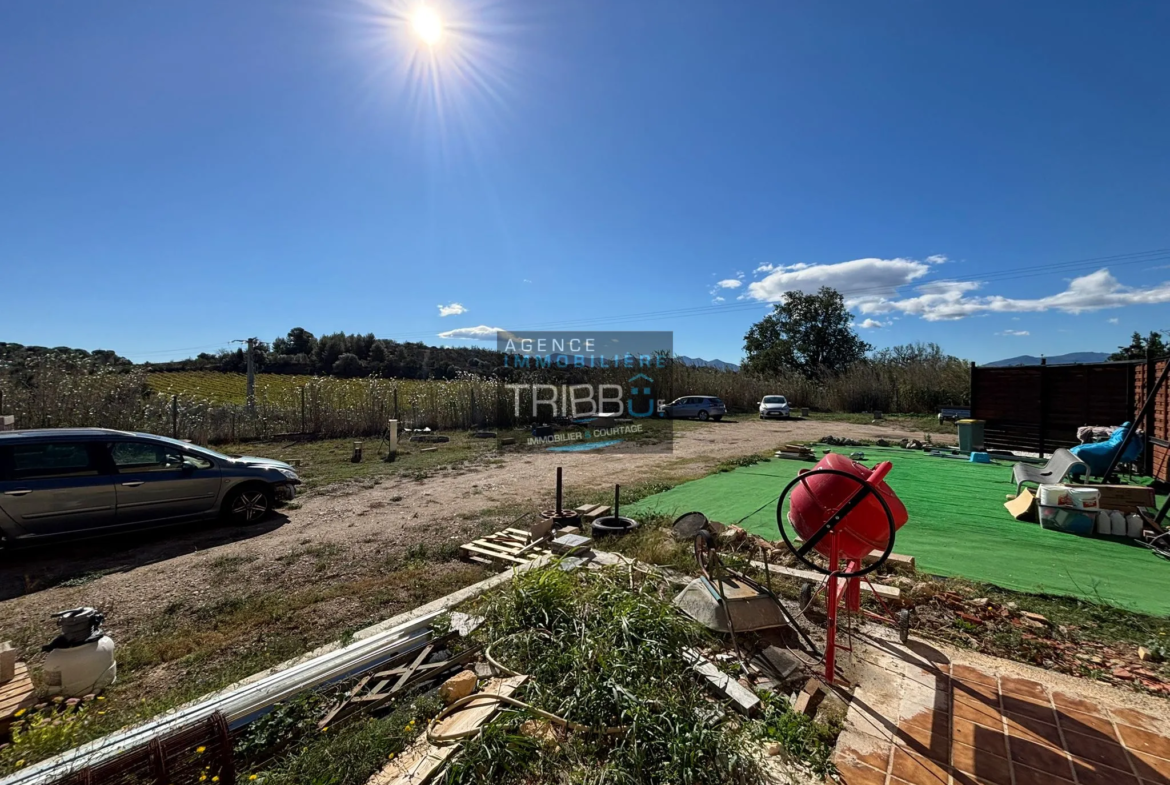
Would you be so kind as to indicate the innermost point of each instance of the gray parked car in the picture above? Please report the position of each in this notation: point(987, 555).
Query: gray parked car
point(92, 481)
point(702, 406)
point(774, 406)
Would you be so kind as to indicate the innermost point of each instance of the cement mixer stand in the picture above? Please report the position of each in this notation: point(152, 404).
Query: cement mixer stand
point(839, 539)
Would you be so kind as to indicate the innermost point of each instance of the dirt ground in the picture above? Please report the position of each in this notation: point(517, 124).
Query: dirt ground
point(346, 536)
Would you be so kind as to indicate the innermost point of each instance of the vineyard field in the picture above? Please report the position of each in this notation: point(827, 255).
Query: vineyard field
point(216, 387)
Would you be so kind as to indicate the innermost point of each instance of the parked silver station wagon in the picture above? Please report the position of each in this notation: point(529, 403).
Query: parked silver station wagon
point(92, 481)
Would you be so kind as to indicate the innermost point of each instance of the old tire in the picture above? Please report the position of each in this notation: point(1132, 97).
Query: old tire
point(703, 415)
point(248, 504)
point(903, 625)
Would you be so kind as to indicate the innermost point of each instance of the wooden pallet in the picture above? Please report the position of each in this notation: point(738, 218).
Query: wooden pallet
point(510, 546)
point(591, 512)
point(15, 695)
point(396, 676)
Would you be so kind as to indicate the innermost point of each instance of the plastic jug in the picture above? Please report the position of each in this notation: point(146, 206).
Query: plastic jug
point(1104, 525)
point(1134, 525)
point(1117, 523)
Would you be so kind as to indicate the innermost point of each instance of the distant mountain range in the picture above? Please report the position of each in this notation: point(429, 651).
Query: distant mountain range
point(699, 362)
point(1060, 359)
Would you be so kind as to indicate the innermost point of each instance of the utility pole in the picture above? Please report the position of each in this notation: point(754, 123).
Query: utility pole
point(251, 360)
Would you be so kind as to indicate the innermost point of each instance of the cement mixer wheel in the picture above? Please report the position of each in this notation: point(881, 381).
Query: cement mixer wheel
point(868, 489)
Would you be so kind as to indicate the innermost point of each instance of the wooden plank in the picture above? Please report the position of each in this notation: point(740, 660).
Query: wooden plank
point(500, 556)
point(476, 712)
point(886, 592)
point(744, 700)
point(16, 694)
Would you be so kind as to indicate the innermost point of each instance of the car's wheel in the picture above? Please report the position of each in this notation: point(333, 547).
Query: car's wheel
point(703, 415)
point(248, 504)
point(717, 417)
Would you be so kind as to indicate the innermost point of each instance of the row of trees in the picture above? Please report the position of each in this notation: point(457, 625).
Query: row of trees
point(348, 356)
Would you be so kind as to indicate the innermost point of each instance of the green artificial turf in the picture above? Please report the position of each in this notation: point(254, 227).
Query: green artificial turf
point(958, 527)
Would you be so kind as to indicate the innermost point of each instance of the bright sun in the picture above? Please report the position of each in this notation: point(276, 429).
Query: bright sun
point(428, 25)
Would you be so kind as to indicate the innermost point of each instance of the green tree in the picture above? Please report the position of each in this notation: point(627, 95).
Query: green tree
point(811, 334)
point(348, 365)
point(1138, 346)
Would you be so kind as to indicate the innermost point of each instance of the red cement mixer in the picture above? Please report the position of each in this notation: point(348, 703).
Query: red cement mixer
point(845, 511)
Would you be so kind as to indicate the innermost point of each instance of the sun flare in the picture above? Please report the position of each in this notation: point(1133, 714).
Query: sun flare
point(427, 25)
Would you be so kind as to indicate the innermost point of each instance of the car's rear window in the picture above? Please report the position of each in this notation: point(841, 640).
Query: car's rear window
point(716, 402)
point(43, 460)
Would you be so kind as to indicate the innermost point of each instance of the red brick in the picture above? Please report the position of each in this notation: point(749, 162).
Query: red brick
point(1089, 724)
point(1038, 756)
point(967, 673)
point(917, 770)
point(1140, 740)
point(1065, 700)
point(981, 763)
point(860, 774)
point(1029, 776)
point(1023, 688)
point(1097, 749)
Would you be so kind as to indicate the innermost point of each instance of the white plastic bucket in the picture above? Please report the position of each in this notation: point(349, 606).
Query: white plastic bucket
point(1085, 498)
point(1055, 496)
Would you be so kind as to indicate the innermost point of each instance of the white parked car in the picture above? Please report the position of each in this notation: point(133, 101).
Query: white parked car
point(774, 406)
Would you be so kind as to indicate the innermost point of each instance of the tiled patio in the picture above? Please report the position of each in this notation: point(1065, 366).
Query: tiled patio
point(960, 725)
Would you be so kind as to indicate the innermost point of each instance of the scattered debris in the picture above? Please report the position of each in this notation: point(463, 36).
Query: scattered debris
point(511, 546)
point(458, 686)
point(742, 699)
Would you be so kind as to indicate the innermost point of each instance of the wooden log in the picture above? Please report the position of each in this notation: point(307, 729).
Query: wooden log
point(885, 592)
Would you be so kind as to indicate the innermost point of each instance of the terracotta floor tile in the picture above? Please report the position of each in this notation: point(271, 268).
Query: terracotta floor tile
point(928, 720)
point(1090, 724)
point(1029, 776)
point(1151, 769)
point(1066, 700)
point(1021, 707)
point(932, 742)
point(859, 748)
point(982, 714)
point(1035, 731)
point(980, 762)
point(1140, 740)
point(1023, 688)
point(1092, 774)
point(917, 770)
point(1097, 749)
point(1138, 719)
point(967, 732)
point(967, 673)
point(860, 774)
point(986, 693)
point(1038, 756)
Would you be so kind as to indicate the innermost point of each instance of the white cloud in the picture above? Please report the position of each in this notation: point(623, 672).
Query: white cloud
point(1114, 320)
point(937, 259)
point(872, 324)
point(860, 280)
point(1014, 332)
point(739, 274)
point(949, 300)
point(730, 283)
point(717, 300)
point(454, 309)
point(764, 268)
point(526, 280)
point(480, 333)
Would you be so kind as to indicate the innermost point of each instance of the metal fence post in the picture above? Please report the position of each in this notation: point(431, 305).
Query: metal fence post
point(1043, 405)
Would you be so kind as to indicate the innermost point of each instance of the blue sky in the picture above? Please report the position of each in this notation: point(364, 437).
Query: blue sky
point(176, 175)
